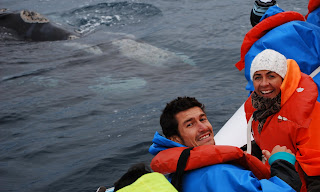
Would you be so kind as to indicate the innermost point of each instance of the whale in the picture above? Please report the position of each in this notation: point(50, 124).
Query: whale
point(32, 26)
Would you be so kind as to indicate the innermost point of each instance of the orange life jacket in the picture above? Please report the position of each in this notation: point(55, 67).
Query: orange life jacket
point(166, 161)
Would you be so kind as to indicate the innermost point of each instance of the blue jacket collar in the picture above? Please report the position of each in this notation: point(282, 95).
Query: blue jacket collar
point(161, 143)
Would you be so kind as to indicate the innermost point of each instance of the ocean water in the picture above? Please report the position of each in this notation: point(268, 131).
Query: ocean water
point(75, 115)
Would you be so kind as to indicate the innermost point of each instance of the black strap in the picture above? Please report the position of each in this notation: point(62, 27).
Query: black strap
point(181, 165)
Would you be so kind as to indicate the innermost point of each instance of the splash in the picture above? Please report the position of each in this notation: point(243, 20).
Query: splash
point(89, 18)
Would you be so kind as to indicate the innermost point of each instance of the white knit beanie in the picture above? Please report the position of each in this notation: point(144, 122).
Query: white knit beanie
point(270, 60)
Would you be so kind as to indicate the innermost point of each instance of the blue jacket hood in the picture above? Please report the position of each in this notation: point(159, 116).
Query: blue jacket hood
point(271, 11)
point(314, 17)
point(161, 143)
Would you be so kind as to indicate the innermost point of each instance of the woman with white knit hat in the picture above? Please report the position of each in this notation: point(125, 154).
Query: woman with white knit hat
point(283, 110)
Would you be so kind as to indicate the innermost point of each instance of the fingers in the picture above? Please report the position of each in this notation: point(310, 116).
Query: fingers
point(289, 151)
point(276, 149)
point(279, 148)
point(266, 153)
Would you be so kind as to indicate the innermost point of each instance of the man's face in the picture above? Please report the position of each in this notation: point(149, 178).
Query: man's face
point(194, 128)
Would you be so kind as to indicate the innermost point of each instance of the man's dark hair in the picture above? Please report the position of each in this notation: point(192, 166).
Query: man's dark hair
point(131, 175)
point(168, 120)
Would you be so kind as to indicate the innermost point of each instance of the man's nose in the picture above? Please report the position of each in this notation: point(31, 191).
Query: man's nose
point(202, 126)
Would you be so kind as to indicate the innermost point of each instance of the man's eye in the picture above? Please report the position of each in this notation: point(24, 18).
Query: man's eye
point(203, 119)
point(189, 125)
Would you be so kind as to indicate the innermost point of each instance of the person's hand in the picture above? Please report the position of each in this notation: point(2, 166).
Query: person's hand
point(276, 149)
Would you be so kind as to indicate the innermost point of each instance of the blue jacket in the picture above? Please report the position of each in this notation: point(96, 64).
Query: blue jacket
point(220, 177)
point(297, 40)
point(314, 17)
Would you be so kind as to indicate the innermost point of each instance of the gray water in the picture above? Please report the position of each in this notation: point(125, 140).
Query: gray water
point(75, 115)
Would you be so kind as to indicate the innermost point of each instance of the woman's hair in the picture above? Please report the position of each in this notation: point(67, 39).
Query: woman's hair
point(168, 121)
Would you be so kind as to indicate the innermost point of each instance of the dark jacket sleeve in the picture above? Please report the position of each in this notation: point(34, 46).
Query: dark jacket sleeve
point(313, 183)
point(255, 150)
point(287, 172)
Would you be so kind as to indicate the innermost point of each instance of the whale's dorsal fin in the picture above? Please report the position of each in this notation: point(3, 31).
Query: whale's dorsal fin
point(32, 17)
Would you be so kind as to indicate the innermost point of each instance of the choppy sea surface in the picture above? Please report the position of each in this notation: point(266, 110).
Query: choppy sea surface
point(75, 115)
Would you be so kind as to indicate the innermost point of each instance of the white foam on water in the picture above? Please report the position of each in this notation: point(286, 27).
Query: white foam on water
point(148, 54)
point(87, 48)
point(108, 84)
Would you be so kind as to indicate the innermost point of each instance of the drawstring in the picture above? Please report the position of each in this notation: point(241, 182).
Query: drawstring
point(249, 135)
point(315, 72)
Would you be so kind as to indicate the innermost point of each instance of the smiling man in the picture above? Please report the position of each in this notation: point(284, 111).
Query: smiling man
point(188, 151)
point(194, 128)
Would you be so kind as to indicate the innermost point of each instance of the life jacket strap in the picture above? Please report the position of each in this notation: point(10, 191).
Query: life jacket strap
point(181, 165)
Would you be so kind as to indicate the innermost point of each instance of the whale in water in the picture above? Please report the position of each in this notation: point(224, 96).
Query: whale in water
point(29, 25)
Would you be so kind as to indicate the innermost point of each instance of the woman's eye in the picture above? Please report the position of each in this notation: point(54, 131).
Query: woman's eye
point(257, 78)
point(271, 76)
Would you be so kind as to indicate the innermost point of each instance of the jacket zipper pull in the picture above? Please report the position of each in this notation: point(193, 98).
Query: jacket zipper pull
point(282, 118)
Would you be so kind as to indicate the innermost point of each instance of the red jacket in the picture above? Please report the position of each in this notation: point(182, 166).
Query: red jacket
point(297, 124)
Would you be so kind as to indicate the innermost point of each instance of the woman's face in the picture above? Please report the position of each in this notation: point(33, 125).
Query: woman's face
point(267, 83)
